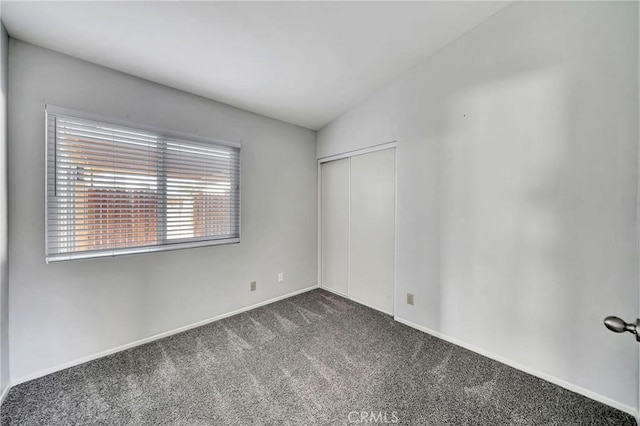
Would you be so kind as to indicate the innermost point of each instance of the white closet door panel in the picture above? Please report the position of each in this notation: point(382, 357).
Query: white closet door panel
point(372, 230)
point(335, 225)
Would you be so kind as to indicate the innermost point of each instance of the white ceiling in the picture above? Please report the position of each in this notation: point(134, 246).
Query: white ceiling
point(301, 62)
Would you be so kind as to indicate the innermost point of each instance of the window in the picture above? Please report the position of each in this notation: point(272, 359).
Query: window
point(116, 189)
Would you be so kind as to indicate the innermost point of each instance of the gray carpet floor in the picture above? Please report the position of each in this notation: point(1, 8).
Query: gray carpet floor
point(314, 358)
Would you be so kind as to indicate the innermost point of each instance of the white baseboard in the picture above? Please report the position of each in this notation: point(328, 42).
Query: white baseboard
point(4, 393)
point(330, 290)
point(353, 300)
point(149, 339)
point(518, 366)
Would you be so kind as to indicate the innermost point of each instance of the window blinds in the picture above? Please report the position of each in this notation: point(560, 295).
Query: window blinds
point(114, 189)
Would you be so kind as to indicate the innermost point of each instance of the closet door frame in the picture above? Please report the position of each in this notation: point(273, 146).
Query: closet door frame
point(349, 154)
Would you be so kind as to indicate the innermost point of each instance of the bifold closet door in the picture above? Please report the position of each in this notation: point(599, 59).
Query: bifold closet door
point(372, 229)
point(335, 225)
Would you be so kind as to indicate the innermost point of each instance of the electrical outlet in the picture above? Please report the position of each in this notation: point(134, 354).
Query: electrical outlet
point(280, 277)
point(252, 286)
point(409, 299)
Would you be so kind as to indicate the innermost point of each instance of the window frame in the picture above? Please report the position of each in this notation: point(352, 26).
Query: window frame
point(164, 245)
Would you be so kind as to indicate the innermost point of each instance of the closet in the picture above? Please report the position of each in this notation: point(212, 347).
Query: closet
point(357, 227)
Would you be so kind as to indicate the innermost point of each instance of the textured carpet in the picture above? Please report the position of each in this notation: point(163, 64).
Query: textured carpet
point(314, 358)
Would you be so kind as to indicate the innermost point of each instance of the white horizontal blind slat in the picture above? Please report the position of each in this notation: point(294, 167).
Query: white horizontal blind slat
point(113, 189)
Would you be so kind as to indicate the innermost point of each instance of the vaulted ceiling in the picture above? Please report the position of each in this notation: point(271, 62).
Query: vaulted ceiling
point(301, 62)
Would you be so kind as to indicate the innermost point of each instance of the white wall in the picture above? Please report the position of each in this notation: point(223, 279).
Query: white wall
point(4, 241)
point(65, 311)
point(517, 176)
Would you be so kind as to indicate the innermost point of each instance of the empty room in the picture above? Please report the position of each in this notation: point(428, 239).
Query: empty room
point(319, 213)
